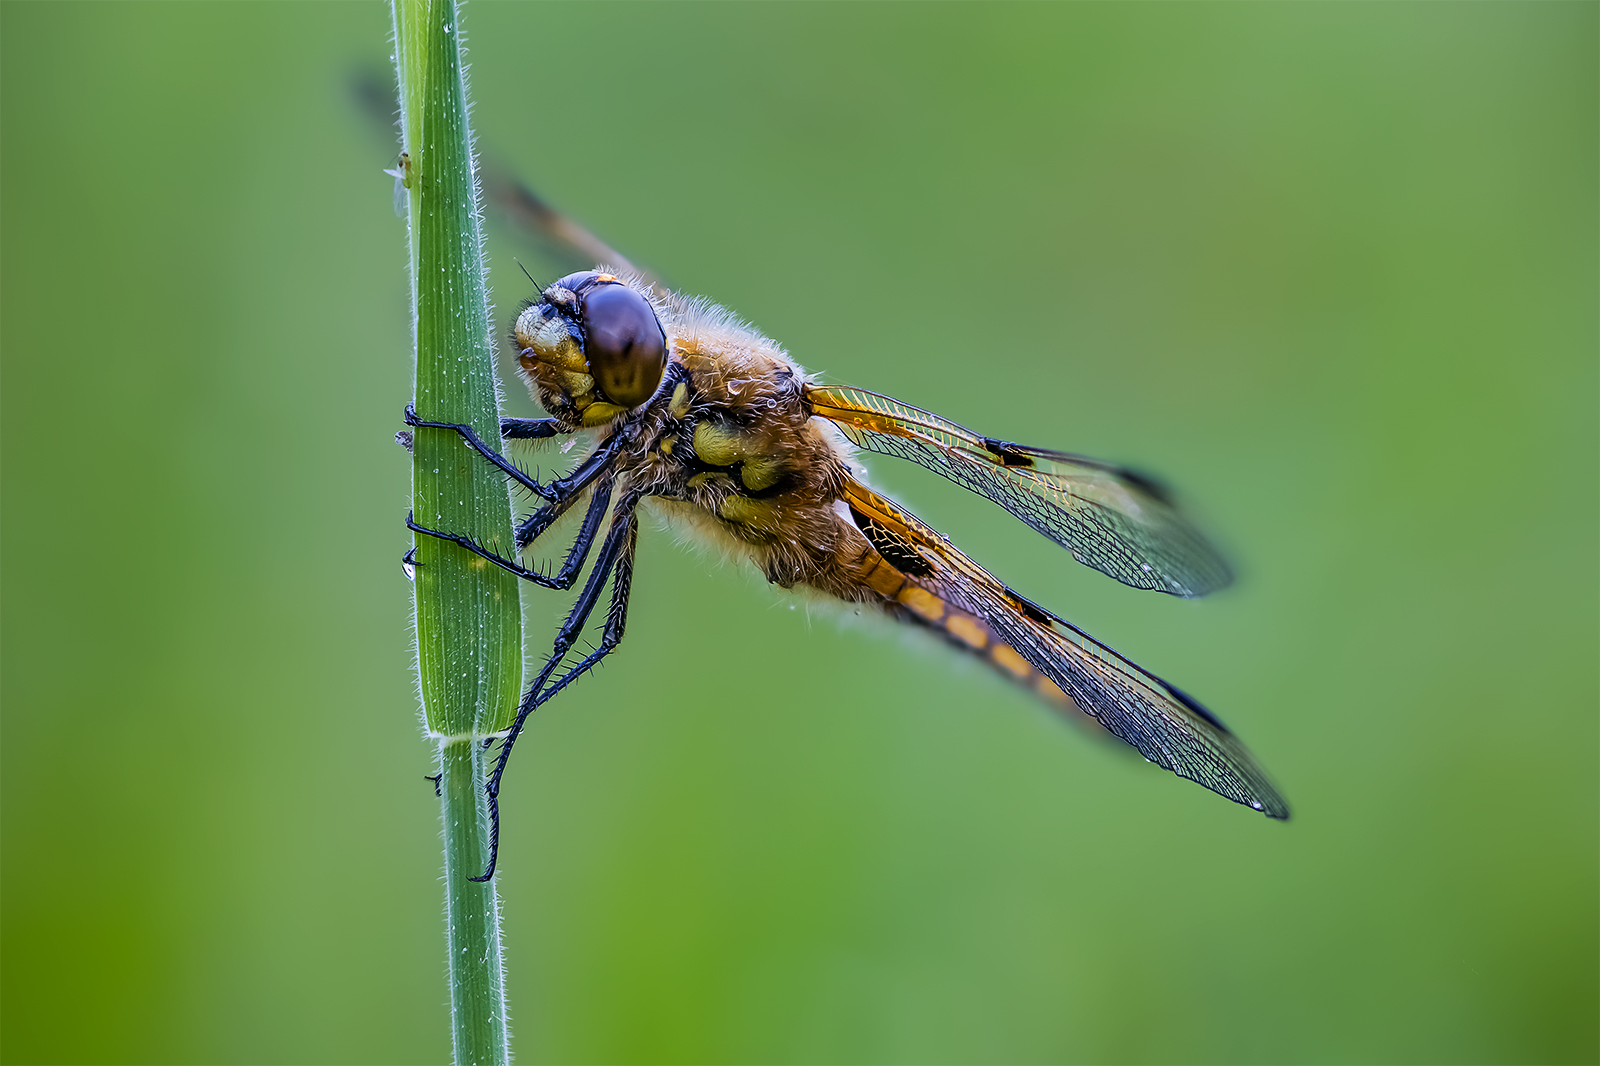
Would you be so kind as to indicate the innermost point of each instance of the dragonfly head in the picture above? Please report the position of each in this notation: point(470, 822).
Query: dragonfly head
point(591, 345)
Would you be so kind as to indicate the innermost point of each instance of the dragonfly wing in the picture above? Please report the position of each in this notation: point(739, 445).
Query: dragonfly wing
point(1109, 518)
point(1167, 726)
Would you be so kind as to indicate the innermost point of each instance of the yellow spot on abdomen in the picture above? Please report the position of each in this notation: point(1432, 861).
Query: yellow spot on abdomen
point(1053, 692)
point(1006, 658)
point(883, 578)
point(922, 602)
point(968, 630)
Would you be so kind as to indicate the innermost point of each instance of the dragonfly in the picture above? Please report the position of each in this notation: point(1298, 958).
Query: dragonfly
point(696, 415)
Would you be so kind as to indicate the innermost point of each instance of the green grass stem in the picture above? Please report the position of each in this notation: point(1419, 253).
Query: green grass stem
point(469, 624)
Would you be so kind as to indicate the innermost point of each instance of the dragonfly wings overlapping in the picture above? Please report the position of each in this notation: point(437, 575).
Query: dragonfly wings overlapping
point(1168, 727)
point(1108, 518)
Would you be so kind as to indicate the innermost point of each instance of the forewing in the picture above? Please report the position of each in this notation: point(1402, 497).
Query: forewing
point(1165, 725)
point(1108, 518)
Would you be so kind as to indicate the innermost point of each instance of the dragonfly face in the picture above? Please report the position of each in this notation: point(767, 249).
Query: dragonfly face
point(702, 418)
point(591, 347)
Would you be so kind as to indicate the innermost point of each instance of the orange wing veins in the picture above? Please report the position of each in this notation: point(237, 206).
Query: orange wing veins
point(1119, 522)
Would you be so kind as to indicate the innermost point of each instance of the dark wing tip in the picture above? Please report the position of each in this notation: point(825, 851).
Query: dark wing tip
point(1175, 557)
point(1147, 483)
point(1194, 705)
point(1262, 795)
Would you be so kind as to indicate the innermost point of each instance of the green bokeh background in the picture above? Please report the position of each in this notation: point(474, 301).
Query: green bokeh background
point(1331, 269)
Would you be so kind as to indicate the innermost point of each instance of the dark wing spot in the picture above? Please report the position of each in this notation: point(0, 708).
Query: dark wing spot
point(900, 555)
point(1032, 610)
point(1139, 479)
point(1007, 453)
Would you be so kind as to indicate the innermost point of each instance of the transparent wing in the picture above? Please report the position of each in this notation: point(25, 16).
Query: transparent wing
point(1111, 519)
point(1168, 727)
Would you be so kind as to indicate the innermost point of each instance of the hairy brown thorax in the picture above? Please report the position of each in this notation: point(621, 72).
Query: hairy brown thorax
point(731, 447)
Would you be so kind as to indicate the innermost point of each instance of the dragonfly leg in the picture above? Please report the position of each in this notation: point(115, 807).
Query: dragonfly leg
point(530, 428)
point(578, 553)
point(616, 618)
point(616, 557)
point(470, 435)
point(571, 566)
point(533, 526)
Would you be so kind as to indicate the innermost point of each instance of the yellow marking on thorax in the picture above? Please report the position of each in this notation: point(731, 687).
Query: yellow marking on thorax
point(746, 512)
point(679, 406)
point(716, 446)
point(761, 472)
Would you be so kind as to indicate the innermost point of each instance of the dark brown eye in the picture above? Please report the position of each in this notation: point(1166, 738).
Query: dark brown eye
point(625, 346)
point(576, 282)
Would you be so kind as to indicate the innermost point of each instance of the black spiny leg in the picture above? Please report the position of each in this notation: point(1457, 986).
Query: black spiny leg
point(616, 555)
point(616, 618)
point(470, 435)
point(529, 428)
point(562, 490)
point(573, 564)
point(532, 527)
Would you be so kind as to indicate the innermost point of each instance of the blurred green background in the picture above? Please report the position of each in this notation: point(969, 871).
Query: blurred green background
point(1330, 269)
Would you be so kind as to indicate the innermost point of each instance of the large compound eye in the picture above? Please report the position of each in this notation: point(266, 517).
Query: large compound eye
point(574, 282)
point(624, 343)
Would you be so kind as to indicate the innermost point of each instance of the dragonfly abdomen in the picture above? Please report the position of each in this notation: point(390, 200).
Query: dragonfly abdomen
point(886, 580)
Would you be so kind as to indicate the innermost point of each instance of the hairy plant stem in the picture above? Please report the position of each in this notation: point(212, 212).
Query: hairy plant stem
point(479, 1033)
point(469, 624)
